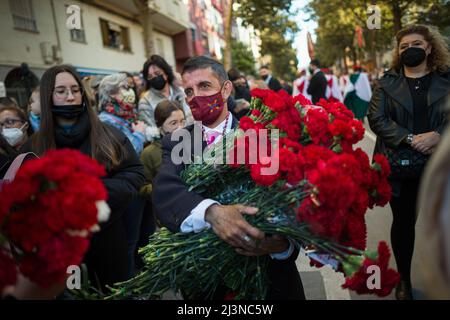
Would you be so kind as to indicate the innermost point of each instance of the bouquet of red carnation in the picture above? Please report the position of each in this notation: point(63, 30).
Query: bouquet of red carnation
point(47, 215)
point(317, 196)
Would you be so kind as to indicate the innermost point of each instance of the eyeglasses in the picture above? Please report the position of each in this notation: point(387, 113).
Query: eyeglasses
point(9, 123)
point(63, 93)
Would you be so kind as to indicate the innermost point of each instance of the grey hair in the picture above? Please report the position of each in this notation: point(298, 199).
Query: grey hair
point(110, 85)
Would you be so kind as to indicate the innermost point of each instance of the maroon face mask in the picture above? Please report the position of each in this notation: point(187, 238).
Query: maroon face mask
point(207, 108)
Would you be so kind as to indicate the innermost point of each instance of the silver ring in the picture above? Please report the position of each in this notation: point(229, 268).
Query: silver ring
point(247, 238)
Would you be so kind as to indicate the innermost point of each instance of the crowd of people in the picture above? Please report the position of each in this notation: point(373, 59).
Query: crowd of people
point(124, 121)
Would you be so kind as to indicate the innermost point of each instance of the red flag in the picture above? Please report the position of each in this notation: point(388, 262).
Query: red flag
point(310, 45)
point(359, 39)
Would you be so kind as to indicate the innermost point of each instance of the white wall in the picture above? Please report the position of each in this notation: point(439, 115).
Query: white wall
point(23, 46)
point(167, 49)
point(93, 54)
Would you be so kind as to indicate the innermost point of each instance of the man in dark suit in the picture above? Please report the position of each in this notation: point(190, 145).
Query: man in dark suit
point(271, 82)
point(318, 83)
point(205, 81)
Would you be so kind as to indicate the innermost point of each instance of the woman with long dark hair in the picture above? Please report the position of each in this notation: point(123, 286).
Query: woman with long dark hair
point(407, 113)
point(160, 85)
point(69, 121)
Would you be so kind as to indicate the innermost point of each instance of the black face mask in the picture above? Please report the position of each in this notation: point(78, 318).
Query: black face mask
point(241, 87)
point(71, 111)
point(412, 57)
point(157, 83)
point(242, 91)
point(264, 77)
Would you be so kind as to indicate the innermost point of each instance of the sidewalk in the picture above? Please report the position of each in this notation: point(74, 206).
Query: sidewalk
point(325, 284)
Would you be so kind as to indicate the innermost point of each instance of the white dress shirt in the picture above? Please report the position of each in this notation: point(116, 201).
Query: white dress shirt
point(196, 220)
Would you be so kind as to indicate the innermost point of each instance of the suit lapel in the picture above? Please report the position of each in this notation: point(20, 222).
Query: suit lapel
point(234, 122)
point(192, 129)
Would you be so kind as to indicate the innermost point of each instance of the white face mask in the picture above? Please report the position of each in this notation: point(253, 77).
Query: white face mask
point(13, 135)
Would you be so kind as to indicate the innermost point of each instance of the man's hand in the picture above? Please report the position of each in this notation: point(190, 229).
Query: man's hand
point(229, 224)
point(425, 142)
point(241, 104)
point(270, 244)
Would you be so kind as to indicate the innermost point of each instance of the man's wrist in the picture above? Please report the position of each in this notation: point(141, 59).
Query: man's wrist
point(211, 212)
point(284, 248)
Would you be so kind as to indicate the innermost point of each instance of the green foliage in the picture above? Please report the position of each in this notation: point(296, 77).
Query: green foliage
point(273, 20)
point(437, 14)
point(337, 20)
point(284, 57)
point(259, 13)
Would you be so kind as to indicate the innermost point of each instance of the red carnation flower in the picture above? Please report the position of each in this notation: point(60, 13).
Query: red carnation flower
point(291, 166)
point(259, 93)
point(341, 129)
point(384, 168)
point(291, 145)
point(355, 231)
point(358, 281)
point(48, 198)
point(29, 228)
point(312, 154)
point(287, 98)
point(381, 195)
point(302, 100)
point(285, 123)
point(357, 131)
point(264, 178)
point(256, 113)
point(316, 122)
point(246, 123)
point(275, 102)
point(49, 265)
point(337, 109)
point(348, 165)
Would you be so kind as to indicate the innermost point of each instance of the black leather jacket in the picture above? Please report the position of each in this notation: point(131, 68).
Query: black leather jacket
point(391, 108)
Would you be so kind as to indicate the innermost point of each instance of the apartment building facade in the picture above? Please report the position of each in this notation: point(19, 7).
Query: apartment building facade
point(110, 40)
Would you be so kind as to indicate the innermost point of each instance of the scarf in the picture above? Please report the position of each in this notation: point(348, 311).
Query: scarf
point(76, 136)
point(121, 110)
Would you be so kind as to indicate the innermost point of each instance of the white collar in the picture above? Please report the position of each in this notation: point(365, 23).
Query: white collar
point(268, 79)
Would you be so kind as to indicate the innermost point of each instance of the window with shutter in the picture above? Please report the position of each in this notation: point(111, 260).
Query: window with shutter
point(23, 15)
point(115, 36)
